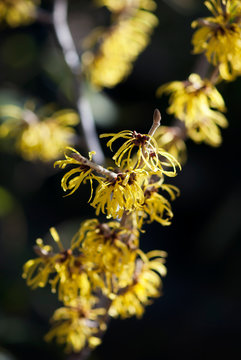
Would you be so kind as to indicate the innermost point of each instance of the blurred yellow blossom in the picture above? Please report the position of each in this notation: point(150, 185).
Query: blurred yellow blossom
point(38, 136)
point(120, 45)
point(156, 206)
point(172, 140)
point(146, 284)
point(110, 252)
point(193, 101)
point(219, 37)
point(76, 325)
point(18, 12)
point(117, 6)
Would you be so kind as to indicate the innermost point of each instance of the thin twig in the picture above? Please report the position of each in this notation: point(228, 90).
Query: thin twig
point(204, 22)
point(98, 168)
point(155, 125)
point(156, 122)
point(124, 219)
point(215, 75)
point(72, 59)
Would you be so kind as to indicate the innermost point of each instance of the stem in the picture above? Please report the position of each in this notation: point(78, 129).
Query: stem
point(156, 122)
point(124, 219)
point(42, 253)
point(201, 66)
point(215, 75)
point(204, 22)
point(127, 222)
point(155, 125)
point(98, 168)
point(30, 117)
point(64, 36)
point(72, 59)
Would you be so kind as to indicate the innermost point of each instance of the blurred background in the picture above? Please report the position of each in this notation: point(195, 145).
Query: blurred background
point(199, 314)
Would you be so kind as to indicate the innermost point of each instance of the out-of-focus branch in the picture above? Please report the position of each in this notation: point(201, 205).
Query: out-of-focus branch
point(60, 13)
point(72, 59)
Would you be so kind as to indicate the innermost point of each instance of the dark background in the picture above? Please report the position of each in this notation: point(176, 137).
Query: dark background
point(198, 316)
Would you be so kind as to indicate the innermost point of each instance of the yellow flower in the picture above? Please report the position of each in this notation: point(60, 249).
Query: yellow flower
point(219, 37)
point(71, 279)
point(120, 195)
point(121, 44)
point(79, 174)
point(18, 12)
point(156, 206)
point(62, 269)
point(38, 136)
point(109, 251)
point(117, 6)
point(77, 325)
point(87, 228)
point(101, 257)
point(171, 139)
point(37, 271)
point(193, 101)
point(146, 284)
point(149, 155)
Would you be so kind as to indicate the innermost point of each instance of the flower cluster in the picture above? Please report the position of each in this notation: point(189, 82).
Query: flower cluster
point(75, 325)
point(172, 139)
point(37, 136)
point(219, 36)
point(113, 50)
point(18, 12)
point(103, 265)
point(196, 102)
point(104, 273)
point(146, 284)
point(126, 189)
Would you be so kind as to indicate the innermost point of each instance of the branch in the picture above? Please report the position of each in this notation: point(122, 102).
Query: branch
point(98, 168)
point(72, 59)
point(214, 77)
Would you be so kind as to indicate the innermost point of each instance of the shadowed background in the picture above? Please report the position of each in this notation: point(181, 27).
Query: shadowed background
point(198, 315)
